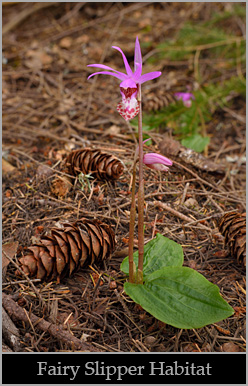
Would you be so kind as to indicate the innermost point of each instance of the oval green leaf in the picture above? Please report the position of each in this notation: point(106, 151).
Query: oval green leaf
point(158, 253)
point(196, 142)
point(181, 297)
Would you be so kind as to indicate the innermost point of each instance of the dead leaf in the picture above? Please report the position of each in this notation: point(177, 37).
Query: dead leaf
point(101, 306)
point(230, 347)
point(61, 186)
point(8, 249)
point(169, 147)
point(7, 167)
point(190, 347)
point(36, 59)
point(112, 130)
point(221, 254)
point(66, 42)
point(82, 39)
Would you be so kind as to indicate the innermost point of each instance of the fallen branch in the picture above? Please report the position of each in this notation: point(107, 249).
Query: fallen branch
point(180, 215)
point(10, 332)
point(57, 331)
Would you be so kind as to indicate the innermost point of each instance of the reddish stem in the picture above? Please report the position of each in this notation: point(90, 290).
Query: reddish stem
point(140, 196)
point(131, 227)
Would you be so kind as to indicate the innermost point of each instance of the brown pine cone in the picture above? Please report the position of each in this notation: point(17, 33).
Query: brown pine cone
point(67, 249)
point(93, 161)
point(157, 101)
point(233, 227)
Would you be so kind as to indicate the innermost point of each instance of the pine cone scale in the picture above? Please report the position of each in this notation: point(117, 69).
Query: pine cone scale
point(84, 255)
point(74, 250)
point(29, 264)
point(46, 260)
point(85, 238)
point(49, 244)
point(62, 242)
point(41, 272)
point(60, 261)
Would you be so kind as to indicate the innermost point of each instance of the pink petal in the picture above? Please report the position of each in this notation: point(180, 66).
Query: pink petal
point(128, 83)
point(137, 148)
point(146, 140)
point(107, 68)
point(137, 56)
point(128, 69)
point(154, 158)
point(121, 77)
point(185, 96)
point(137, 74)
point(149, 76)
point(159, 167)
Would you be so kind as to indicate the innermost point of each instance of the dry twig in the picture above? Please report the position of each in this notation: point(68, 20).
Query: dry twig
point(56, 331)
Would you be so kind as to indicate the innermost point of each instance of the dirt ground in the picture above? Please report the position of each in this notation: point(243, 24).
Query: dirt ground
point(49, 109)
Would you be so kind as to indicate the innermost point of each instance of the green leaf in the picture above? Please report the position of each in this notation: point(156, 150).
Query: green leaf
point(158, 253)
point(196, 142)
point(181, 297)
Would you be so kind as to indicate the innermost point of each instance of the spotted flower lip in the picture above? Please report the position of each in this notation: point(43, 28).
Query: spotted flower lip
point(129, 107)
point(157, 161)
point(186, 97)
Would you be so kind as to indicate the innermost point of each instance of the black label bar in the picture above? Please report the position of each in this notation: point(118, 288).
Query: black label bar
point(137, 368)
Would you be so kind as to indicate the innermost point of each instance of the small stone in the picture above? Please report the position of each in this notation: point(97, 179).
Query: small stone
point(191, 202)
point(150, 340)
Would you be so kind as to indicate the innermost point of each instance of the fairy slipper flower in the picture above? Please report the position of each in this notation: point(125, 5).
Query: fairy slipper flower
point(185, 97)
point(157, 162)
point(129, 106)
point(154, 160)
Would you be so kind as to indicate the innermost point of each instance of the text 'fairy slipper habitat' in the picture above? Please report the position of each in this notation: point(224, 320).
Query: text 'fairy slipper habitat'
point(176, 295)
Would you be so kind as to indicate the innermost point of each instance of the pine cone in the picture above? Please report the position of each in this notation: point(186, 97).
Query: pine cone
point(157, 101)
point(100, 165)
point(69, 248)
point(233, 227)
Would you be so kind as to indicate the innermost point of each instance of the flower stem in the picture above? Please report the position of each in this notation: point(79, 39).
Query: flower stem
point(131, 226)
point(140, 196)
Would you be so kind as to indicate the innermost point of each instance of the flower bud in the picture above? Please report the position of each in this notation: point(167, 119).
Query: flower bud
point(157, 161)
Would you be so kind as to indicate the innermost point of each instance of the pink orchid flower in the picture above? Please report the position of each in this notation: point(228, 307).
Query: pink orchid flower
point(128, 107)
point(155, 161)
point(186, 98)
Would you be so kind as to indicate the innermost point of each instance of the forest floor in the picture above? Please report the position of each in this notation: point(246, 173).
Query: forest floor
point(50, 108)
